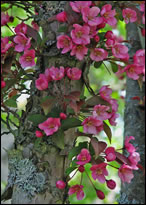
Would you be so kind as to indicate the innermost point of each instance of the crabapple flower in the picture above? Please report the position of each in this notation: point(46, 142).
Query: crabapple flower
point(114, 105)
point(128, 146)
point(111, 184)
point(100, 194)
point(100, 112)
point(50, 126)
point(89, 16)
point(108, 14)
point(105, 92)
point(109, 35)
point(110, 154)
point(62, 17)
point(134, 158)
point(79, 51)
point(133, 71)
point(27, 59)
point(80, 35)
point(125, 173)
point(99, 172)
point(5, 45)
point(38, 133)
point(56, 73)
point(78, 5)
point(5, 18)
point(98, 54)
point(81, 168)
point(21, 28)
point(3, 84)
point(41, 83)
point(78, 189)
point(129, 15)
point(96, 38)
point(120, 51)
point(93, 31)
point(113, 118)
point(60, 184)
point(92, 125)
point(65, 42)
point(47, 74)
point(84, 157)
point(74, 73)
point(139, 57)
point(23, 42)
point(63, 116)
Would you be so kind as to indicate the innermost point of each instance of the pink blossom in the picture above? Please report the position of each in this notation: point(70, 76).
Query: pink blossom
point(110, 154)
point(109, 43)
point(74, 73)
point(108, 15)
point(3, 84)
point(78, 189)
point(113, 118)
point(100, 112)
point(56, 73)
point(50, 126)
point(21, 28)
point(120, 51)
point(91, 125)
point(65, 42)
point(41, 83)
point(62, 17)
point(98, 54)
point(139, 57)
point(78, 5)
point(114, 104)
point(84, 157)
point(93, 31)
point(133, 71)
point(100, 194)
point(89, 16)
point(109, 35)
point(79, 51)
point(38, 133)
point(4, 18)
point(99, 172)
point(102, 25)
point(96, 38)
point(129, 15)
point(35, 26)
point(105, 92)
point(47, 74)
point(63, 116)
point(129, 147)
point(5, 45)
point(27, 59)
point(111, 184)
point(23, 42)
point(134, 158)
point(60, 184)
point(142, 7)
point(80, 35)
point(125, 173)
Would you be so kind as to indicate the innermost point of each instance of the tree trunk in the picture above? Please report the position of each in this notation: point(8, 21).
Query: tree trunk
point(36, 164)
point(134, 118)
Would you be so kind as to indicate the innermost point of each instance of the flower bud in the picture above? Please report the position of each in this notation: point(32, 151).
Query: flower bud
point(61, 17)
point(3, 84)
point(63, 116)
point(111, 184)
point(100, 194)
point(60, 184)
point(81, 168)
point(38, 133)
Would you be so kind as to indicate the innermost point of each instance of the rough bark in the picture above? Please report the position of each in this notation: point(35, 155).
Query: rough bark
point(134, 119)
point(35, 165)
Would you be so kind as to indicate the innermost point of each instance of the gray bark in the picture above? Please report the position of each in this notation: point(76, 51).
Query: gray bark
point(134, 119)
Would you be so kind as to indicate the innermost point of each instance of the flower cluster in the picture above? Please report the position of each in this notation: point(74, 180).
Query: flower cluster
point(55, 74)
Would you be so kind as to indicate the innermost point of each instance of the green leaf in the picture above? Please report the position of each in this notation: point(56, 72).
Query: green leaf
point(107, 131)
point(12, 101)
point(70, 123)
point(58, 139)
point(98, 64)
point(114, 67)
point(69, 170)
point(36, 118)
point(76, 150)
point(63, 29)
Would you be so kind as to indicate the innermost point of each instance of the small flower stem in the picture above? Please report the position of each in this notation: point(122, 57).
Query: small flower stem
point(81, 178)
point(90, 180)
point(107, 68)
point(113, 166)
